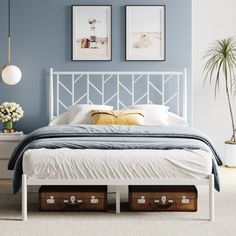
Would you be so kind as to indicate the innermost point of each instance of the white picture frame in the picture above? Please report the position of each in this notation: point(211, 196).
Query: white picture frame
point(91, 33)
point(145, 32)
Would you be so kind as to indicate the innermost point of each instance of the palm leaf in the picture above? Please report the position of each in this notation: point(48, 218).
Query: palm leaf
point(220, 66)
point(222, 52)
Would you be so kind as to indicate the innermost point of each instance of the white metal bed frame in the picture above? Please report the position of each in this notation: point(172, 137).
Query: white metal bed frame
point(56, 100)
point(209, 181)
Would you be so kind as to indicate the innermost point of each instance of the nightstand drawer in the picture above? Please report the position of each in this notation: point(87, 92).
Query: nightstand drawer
point(4, 172)
point(6, 149)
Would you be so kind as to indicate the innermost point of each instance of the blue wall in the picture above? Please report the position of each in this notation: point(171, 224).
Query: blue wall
point(41, 38)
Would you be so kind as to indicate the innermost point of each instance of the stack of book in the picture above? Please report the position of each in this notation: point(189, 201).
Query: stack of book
point(11, 135)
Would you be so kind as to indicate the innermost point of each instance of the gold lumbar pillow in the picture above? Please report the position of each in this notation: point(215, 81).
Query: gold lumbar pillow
point(123, 117)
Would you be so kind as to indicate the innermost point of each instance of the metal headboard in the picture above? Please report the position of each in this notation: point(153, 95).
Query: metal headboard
point(119, 89)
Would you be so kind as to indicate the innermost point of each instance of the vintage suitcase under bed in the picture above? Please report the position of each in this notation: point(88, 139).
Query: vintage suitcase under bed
point(73, 198)
point(163, 198)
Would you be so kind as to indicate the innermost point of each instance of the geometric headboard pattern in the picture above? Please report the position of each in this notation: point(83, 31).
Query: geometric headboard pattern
point(119, 89)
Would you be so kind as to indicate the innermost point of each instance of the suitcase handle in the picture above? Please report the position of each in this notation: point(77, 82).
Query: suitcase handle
point(163, 206)
point(73, 203)
point(71, 206)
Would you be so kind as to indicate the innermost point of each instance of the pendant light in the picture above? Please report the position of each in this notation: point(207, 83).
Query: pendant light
point(11, 74)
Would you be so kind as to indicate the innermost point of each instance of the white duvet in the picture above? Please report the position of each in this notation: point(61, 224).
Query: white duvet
point(116, 164)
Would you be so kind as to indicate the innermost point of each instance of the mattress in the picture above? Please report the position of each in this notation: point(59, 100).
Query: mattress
point(65, 163)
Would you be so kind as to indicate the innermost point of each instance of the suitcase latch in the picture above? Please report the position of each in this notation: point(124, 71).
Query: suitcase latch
point(51, 200)
point(94, 200)
point(141, 200)
point(185, 200)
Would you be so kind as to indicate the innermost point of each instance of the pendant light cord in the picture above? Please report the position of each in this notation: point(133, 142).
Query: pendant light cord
point(9, 18)
point(9, 37)
point(9, 31)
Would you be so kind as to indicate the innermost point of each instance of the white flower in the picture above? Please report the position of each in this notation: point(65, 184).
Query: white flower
point(10, 111)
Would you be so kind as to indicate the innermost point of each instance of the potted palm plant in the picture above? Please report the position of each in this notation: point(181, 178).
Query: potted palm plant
point(221, 65)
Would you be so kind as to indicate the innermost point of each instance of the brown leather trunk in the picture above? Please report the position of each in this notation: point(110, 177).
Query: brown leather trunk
point(73, 198)
point(163, 198)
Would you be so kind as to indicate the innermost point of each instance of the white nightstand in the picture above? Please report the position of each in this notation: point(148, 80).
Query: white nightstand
point(7, 145)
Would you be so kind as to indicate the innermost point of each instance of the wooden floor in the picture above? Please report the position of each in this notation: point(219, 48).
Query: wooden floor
point(5, 182)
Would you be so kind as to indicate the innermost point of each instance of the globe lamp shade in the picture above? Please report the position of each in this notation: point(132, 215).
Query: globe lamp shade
point(11, 75)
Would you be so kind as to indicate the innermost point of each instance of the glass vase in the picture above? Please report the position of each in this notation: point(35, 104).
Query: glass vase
point(9, 127)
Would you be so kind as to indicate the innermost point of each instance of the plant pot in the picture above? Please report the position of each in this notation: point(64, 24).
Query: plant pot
point(230, 155)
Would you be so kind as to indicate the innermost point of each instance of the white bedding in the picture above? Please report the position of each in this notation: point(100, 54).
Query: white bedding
point(116, 164)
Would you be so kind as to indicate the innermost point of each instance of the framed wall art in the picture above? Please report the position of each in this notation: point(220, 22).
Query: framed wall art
point(91, 32)
point(145, 32)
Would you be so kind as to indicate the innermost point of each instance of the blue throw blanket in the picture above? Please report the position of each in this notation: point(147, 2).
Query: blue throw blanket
point(112, 137)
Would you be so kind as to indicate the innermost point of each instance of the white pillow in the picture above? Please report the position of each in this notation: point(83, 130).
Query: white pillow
point(174, 119)
point(62, 119)
point(80, 114)
point(154, 114)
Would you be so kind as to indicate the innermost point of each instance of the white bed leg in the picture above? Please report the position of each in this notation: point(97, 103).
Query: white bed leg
point(211, 198)
point(24, 197)
point(117, 200)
